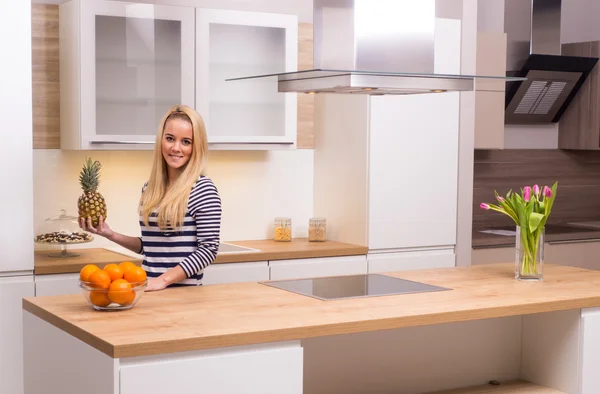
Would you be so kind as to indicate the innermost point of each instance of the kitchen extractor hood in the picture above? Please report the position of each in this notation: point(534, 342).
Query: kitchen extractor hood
point(534, 51)
point(373, 47)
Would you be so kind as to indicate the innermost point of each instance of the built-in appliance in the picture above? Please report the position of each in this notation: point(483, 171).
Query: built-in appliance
point(376, 47)
point(534, 51)
point(352, 286)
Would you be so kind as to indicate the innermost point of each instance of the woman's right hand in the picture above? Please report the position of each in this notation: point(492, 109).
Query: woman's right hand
point(102, 229)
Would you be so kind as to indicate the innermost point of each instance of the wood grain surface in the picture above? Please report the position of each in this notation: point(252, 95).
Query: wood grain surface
point(215, 316)
point(45, 76)
point(512, 387)
point(298, 248)
point(306, 102)
point(579, 127)
point(46, 83)
point(43, 264)
point(577, 174)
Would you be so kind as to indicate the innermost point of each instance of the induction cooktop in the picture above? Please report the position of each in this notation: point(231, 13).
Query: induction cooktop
point(352, 286)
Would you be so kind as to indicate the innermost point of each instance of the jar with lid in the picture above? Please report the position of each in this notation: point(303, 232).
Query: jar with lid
point(283, 229)
point(317, 230)
point(62, 230)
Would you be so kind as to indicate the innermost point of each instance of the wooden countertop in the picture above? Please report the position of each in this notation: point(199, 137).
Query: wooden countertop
point(216, 316)
point(298, 248)
point(43, 264)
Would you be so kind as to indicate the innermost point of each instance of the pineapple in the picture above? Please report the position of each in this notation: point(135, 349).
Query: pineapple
point(91, 203)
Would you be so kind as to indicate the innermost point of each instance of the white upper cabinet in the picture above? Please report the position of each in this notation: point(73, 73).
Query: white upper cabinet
point(233, 44)
point(122, 66)
point(413, 170)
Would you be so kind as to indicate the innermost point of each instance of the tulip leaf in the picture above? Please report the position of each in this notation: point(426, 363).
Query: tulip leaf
point(534, 221)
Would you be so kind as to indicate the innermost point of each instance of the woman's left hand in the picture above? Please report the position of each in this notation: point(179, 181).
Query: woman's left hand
point(155, 284)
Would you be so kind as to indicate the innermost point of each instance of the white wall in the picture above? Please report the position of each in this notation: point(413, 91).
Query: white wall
point(255, 187)
point(16, 198)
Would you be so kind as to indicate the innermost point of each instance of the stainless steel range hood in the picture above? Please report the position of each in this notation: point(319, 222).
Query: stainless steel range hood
point(373, 47)
point(534, 51)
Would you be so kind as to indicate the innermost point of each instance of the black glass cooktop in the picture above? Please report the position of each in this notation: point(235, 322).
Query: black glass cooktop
point(352, 286)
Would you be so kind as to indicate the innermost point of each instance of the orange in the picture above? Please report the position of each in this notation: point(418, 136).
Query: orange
point(99, 280)
point(87, 271)
point(135, 275)
point(114, 271)
point(99, 298)
point(120, 292)
point(126, 265)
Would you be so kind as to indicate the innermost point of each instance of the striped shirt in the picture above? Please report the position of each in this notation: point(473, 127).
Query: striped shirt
point(194, 246)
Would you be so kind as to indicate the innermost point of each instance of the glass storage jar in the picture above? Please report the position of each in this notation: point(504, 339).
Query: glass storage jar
point(283, 229)
point(61, 230)
point(317, 230)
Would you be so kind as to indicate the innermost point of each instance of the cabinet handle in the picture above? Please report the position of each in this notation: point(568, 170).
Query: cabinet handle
point(573, 241)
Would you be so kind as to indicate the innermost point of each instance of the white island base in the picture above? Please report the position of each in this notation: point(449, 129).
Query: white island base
point(558, 352)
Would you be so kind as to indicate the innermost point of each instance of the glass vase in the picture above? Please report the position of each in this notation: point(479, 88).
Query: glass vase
point(529, 254)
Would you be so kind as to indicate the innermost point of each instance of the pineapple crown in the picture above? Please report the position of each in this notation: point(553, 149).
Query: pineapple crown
point(89, 175)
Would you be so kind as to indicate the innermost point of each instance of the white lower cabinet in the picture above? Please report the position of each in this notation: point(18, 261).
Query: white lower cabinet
point(413, 260)
point(56, 284)
point(318, 267)
point(270, 369)
point(12, 291)
point(236, 272)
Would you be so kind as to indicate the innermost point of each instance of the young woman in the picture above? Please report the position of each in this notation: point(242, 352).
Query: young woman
point(180, 208)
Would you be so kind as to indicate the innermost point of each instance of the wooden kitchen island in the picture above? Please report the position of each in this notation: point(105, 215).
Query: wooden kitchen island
point(252, 338)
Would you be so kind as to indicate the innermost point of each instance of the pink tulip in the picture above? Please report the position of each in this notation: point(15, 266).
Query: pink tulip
point(547, 192)
point(484, 206)
point(527, 193)
point(500, 198)
point(536, 190)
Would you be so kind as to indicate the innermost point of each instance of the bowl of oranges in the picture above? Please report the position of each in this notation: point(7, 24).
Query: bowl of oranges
point(114, 287)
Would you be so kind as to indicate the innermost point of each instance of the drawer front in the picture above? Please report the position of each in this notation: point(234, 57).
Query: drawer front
point(59, 284)
point(404, 261)
point(268, 369)
point(236, 272)
point(318, 267)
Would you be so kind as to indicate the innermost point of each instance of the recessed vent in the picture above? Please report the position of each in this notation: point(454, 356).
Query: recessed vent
point(540, 97)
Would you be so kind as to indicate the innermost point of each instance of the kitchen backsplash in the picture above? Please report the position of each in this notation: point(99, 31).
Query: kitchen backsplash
point(255, 187)
point(577, 173)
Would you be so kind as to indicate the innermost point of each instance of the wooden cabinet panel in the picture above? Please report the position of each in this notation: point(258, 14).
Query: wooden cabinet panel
point(489, 93)
point(579, 126)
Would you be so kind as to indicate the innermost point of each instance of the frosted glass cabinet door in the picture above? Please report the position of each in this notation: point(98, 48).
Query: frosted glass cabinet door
point(137, 61)
point(233, 44)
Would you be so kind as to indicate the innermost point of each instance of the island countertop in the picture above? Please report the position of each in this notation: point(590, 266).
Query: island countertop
point(217, 316)
point(298, 248)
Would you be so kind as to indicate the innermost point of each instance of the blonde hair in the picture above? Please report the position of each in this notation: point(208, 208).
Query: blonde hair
point(171, 204)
